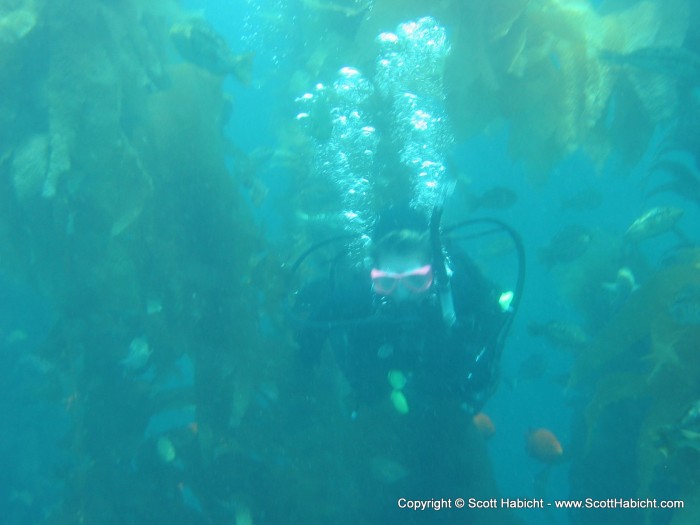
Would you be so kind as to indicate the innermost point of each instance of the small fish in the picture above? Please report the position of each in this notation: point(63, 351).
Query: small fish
point(685, 308)
point(16, 336)
point(385, 351)
point(685, 434)
point(398, 399)
point(563, 334)
point(201, 45)
point(692, 416)
point(496, 198)
point(243, 514)
point(543, 445)
point(624, 284)
point(397, 379)
point(617, 292)
point(166, 449)
point(676, 62)
point(653, 222)
point(191, 501)
point(484, 425)
point(15, 25)
point(154, 306)
point(387, 470)
point(139, 353)
point(566, 246)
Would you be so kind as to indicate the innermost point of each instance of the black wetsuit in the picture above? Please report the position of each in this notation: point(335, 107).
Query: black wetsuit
point(371, 336)
point(428, 447)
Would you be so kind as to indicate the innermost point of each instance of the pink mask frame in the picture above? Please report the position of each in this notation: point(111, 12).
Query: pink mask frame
point(418, 280)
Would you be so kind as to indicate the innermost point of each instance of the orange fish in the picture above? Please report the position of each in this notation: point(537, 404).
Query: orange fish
point(484, 425)
point(544, 446)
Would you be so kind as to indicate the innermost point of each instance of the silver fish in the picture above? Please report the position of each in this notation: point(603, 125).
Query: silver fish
point(653, 222)
point(563, 334)
point(201, 45)
point(682, 435)
point(566, 246)
point(139, 354)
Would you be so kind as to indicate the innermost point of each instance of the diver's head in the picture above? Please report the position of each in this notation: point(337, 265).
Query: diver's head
point(402, 265)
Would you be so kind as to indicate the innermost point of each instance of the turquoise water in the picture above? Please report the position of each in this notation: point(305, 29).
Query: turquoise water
point(151, 211)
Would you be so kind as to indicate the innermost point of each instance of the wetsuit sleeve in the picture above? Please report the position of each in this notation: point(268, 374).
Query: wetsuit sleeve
point(478, 334)
point(328, 309)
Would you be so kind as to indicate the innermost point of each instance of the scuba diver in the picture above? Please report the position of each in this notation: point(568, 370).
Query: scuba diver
point(416, 323)
point(416, 330)
point(404, 333)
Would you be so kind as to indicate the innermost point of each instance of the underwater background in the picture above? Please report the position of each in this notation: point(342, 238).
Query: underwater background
point(161, 168)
